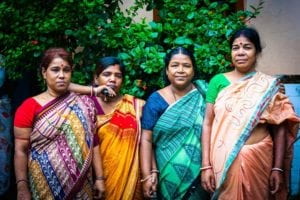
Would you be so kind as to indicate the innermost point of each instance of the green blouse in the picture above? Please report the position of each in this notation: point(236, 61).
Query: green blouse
point(216, 84)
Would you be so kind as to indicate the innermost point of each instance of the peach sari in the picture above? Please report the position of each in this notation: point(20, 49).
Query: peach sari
point(242, 171)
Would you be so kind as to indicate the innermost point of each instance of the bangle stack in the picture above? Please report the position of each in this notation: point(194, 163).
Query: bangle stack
point(205, 168)
point(277, 169)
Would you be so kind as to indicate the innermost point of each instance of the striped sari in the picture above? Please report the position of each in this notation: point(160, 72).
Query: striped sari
point(247, 106)
point(119, 135)
point(61, 149)
point(176, 139)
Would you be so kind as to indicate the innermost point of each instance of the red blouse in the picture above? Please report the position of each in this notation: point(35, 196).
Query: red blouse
point(25, 113)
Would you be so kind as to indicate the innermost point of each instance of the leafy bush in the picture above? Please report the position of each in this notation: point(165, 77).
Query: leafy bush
point(92, 29)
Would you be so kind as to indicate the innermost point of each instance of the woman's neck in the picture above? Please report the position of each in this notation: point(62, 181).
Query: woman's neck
point(179, 92)
point(241, 74)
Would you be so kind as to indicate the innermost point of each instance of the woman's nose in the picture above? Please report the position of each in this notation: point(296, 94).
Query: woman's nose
point(61, 74)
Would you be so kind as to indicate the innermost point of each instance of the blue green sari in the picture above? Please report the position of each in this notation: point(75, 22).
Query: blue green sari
point(176, 138)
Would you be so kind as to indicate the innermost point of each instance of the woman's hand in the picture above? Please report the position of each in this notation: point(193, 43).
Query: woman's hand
point(99, 189)
point(150, 186)
point(104, 91)
point(276, 181)
point(208, 180)
point(23, 191)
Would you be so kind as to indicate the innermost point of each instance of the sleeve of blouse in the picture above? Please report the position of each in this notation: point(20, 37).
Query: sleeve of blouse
point(279, 110)
point(150, 113)
point(212, 91)
point(24, 115)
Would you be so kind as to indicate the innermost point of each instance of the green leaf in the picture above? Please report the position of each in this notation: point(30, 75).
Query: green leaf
point(191, 15)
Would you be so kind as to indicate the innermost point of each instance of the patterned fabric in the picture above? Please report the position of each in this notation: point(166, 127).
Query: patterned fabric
point(239, 108)
point(5, 144)
point(61, 149)
point(119, 135)
point(176, 137)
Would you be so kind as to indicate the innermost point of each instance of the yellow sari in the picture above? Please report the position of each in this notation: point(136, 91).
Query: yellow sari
point(119, 135)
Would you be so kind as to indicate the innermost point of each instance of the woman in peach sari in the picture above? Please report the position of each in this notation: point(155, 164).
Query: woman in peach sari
point(241, 158)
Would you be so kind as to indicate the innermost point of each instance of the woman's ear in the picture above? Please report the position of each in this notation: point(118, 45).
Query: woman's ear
point(44, 73)
point(95, 82)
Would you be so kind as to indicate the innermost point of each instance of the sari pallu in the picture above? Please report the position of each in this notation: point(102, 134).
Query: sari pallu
point(119, 135)
point(176, 139)
point(5, 144)
point(61, 149)
point(239, 108)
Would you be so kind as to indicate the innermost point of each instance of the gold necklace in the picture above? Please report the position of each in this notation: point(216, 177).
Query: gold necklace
point(174, 96)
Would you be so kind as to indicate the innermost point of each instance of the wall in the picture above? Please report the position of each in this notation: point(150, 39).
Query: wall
point(279, 27)
point(142, 13)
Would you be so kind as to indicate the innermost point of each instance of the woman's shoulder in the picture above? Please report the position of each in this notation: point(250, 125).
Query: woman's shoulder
point(129, 96)
point(30, 102)
point(261, 74)
point(156, 95)
point(218, 77)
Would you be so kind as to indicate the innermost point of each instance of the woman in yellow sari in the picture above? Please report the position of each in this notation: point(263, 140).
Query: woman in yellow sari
point(118, 127)
point(241, 158)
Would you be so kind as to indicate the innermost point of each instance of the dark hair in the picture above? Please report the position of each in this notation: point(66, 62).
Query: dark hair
point(52, 53)
point(251, 34)
point(106, 62)
point(175, 51)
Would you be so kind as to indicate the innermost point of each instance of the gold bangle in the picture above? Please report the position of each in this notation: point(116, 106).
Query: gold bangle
point(95, 91)
point(205, 168)
point(277, 169)
point(100, 178)
point(147, 178)
point(21, 180)
point(92, 91)
point(154, 171)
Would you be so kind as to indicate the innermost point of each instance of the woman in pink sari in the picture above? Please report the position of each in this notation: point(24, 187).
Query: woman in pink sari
point(241, 158)
point(55, 145)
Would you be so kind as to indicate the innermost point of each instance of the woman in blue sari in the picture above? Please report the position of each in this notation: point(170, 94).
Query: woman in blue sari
point(171, 122)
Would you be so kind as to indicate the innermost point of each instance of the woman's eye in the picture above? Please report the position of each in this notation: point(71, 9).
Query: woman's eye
point(55, 69)
point(105, 74)
point(248, 47)
point(67, 70)
point(119, 75)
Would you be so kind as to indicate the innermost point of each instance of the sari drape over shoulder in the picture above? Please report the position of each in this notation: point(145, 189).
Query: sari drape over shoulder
point(61, 149)
point(119, 134)
point(176, 138)
point(6, 144)
point(243, 171)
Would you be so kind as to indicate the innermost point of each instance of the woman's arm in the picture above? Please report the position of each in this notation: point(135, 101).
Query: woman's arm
point(90, 90)
point(147, 163)
point(98, 170)
point(22, 141)
point(207, 176)
point(276, 178)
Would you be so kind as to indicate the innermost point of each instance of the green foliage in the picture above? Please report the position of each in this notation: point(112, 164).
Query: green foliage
point(93, 29)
